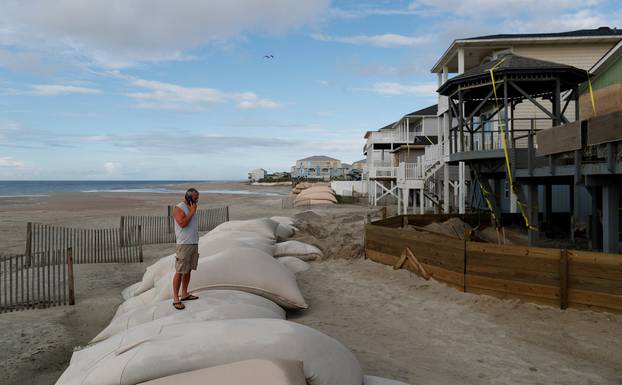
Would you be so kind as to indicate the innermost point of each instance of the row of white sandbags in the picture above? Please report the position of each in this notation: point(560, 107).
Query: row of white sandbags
point(132, 332)
point(315, 195)
point(258, 233)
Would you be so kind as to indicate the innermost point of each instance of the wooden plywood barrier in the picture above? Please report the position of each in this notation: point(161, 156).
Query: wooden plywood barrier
point(604, 128)
point(559, 139)
point(556, 277)
point(441, 256)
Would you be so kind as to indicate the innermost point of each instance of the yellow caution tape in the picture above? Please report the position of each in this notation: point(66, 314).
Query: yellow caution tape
point(589, 87)
point(505, 152)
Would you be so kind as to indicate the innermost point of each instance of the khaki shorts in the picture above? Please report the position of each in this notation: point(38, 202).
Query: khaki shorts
point(187, 258)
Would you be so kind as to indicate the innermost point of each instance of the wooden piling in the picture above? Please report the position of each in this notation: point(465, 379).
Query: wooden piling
point(70, 277)
point(28, 252)
point(140, 245)
point(563, 279)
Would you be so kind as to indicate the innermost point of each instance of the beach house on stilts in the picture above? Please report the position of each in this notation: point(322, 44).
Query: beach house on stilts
point(580, 49)
point(511, 120)
point(392, 152)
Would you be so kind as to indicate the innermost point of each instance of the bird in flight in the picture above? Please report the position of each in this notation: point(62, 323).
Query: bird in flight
point(268, 56)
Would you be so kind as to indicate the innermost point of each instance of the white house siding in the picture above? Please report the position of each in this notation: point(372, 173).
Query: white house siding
point(430, 126)
point(345, 187)
point(578, 55)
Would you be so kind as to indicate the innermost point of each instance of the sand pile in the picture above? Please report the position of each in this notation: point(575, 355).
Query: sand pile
point(513, 235)
point(339, 236)
point(454, 227)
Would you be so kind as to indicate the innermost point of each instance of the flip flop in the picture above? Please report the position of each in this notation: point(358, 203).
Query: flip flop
point(190, 297)
point(179, 305)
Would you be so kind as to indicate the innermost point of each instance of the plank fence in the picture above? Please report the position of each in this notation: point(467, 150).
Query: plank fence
point(39, 281)
point(558, 277)
point(110, 245)
point(161, 229)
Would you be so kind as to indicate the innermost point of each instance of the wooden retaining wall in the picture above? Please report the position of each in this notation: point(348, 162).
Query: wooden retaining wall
point(557, 277)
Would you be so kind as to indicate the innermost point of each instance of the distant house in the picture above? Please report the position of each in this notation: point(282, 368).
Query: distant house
point(360, 165)
point(317, 167)
point(257, 174)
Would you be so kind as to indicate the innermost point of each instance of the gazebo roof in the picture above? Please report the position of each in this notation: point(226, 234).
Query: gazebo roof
point(529, 72)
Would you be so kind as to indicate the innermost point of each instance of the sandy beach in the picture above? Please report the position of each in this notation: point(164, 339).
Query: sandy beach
point(398, 325)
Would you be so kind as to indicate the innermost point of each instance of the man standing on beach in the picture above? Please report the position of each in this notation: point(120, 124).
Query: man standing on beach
point(187, 251)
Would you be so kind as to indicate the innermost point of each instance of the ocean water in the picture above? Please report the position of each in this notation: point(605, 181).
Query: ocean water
point(43, 188)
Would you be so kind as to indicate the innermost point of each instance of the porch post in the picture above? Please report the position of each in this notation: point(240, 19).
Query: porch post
point(611, 225)
point(405, 193)
point(532, 198)
point(421, 201)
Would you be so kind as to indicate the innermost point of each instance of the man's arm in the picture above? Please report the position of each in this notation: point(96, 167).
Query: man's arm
point(181, 218)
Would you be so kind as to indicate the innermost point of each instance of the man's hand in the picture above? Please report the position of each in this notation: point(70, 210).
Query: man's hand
point(193, 207)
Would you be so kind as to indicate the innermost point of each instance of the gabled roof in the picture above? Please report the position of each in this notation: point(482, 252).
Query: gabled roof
point(513, 64)
point(364, 160)
point(597, 32)
point(601, 34)
point(317, 158)
point(388, 126)
point(346, 165)
point(428, 111)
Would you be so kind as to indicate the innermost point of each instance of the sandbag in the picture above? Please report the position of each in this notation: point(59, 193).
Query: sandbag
point(318, 189)
point(211, 305)
point(313, 202)
point(263, 226)
point(373, 380)
point(209, 244)
point(286, 221)
point(296, 265)
point(217, 242)
point(173, 349)
point(243, 269)
point(283, 232)
point(297, 249)
point(317, 195)
point(255, 372)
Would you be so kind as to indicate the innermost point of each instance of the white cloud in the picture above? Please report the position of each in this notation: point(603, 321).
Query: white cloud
point(259, 103)
point(469, 18)
point(57, 89)
point(360, 12)
point(121, 33)
point(96, 138)
point(12, 163)
point(389, 40)
point(112, 168)
point(168, 96)
point(390, 88)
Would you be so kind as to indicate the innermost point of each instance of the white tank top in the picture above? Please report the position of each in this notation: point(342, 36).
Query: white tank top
point(188, 235)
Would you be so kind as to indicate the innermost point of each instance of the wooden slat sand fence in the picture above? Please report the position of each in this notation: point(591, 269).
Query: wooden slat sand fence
point(40, 280)
point(208, 218)
point(558, 277)
point(107, 245)
point(161, 229)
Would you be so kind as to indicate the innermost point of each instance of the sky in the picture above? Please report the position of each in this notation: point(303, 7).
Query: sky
point(166, 90)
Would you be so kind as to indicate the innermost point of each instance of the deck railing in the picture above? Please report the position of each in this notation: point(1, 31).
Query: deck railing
point(491, 138)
